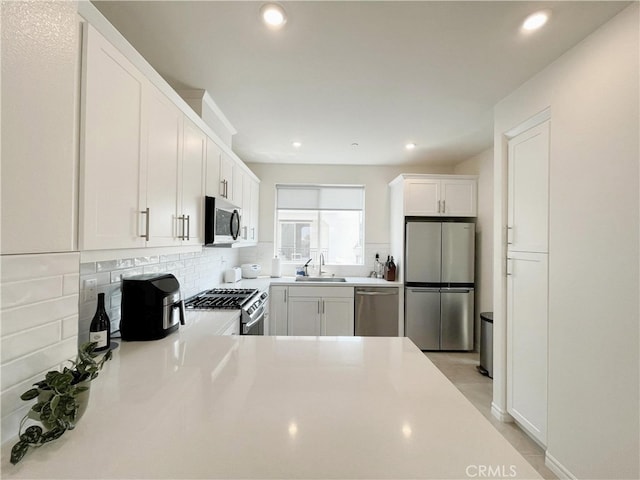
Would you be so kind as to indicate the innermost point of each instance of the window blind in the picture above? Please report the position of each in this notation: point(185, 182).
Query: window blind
point(319, 197)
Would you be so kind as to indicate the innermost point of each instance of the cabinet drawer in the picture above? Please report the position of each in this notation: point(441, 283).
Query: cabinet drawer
point(317, 291)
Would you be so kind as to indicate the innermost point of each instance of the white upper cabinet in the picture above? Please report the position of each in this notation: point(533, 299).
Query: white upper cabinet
point(226, 177)
point(250, 205)
point(143, 162)
point(255, 211)
point(213, 184)
point(145, 165)
point(191, 218)
point(436, 195)
point(162, 134)
point(111, 166)
point(236, 195)
point(422, 197)
point(459, 198)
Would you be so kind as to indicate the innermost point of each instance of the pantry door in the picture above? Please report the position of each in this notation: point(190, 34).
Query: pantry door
point(527, 279)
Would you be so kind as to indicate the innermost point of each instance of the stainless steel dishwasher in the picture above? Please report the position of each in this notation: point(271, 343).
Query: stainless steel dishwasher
point(376, 311)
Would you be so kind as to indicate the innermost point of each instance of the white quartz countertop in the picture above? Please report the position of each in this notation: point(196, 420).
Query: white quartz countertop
point(199, 405)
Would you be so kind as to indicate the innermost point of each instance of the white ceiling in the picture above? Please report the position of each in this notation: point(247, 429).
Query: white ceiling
point(377, 73)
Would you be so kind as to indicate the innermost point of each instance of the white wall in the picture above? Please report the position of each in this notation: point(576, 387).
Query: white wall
point(374, 178)
point(592, 91)
point(482, 165)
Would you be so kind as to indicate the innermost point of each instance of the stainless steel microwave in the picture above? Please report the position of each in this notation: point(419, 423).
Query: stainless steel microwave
point(222, 222)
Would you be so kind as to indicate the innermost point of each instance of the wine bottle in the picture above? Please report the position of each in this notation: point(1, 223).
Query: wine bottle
point(100, 329)
point(391, 273)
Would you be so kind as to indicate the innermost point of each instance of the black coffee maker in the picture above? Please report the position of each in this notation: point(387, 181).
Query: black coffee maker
point(152, 307)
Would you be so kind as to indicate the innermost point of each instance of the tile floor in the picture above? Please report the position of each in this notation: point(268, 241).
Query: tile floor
point(460, 369)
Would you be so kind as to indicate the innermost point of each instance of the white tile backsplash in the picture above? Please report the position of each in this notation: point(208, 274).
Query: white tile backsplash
point(39, 324)
point(195, 271)
point(262, 254)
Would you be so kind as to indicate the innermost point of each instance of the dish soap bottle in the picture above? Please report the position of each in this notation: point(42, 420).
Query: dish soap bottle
point(391, 271)
point(100, 329)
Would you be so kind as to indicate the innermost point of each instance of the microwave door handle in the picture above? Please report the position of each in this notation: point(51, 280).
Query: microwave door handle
point(235, 216)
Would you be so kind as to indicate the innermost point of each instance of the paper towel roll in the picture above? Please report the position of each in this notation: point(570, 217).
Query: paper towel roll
point(276, 268)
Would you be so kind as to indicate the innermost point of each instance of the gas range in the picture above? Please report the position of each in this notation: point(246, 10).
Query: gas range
point(250, 302)
point(221, 299)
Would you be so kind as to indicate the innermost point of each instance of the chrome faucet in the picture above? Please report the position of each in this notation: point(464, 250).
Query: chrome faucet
point(321, 264)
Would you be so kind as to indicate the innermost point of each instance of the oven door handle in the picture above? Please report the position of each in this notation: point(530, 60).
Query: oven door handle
point(247, 326)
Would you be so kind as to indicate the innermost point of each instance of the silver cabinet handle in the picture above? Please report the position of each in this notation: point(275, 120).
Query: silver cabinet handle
point(147, 214)
point(181, 219)
point(222, 187)
point(285, 296)
point(318, 306)
point(439, 209)
point(188, 227)
point(226, 189)
point(253, 233)
point(444, 206)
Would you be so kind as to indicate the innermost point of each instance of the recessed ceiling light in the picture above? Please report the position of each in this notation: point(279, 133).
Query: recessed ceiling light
point(410, 146)
point(273, 15)
point(536, 20)
point(296, 144)
point(355, 144)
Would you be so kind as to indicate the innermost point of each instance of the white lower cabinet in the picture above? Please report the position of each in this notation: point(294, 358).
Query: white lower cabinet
point(317, 311)
point(278, 318)
point(527, 328)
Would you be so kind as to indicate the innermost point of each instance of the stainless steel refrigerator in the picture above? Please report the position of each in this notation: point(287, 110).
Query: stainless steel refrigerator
point(439, 284)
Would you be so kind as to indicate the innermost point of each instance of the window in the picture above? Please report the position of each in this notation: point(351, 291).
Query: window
point(315, 219)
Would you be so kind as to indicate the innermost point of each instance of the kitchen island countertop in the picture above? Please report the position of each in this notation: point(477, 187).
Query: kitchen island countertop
point(199, 405)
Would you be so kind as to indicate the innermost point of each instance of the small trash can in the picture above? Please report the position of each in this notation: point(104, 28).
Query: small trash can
point(486, 344)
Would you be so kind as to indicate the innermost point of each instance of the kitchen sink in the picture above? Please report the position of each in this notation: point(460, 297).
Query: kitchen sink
point(321, 279)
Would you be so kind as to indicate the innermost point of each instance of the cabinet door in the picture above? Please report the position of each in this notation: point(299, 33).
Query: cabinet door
point(421, 197)
point(226, 176)
point(111, 155)
point(528, 191)
point(527, 293)
point(193, 159)
point(337, 316)
point(304, 316)
point(458, 198)
point(162, 131)
point(213, 184)
point(278, 324)
point(247, 212)
point(255, 211)
point(236, 196)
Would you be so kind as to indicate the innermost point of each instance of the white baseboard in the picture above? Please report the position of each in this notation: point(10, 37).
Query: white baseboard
point(556, 467)
point(500, 414)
